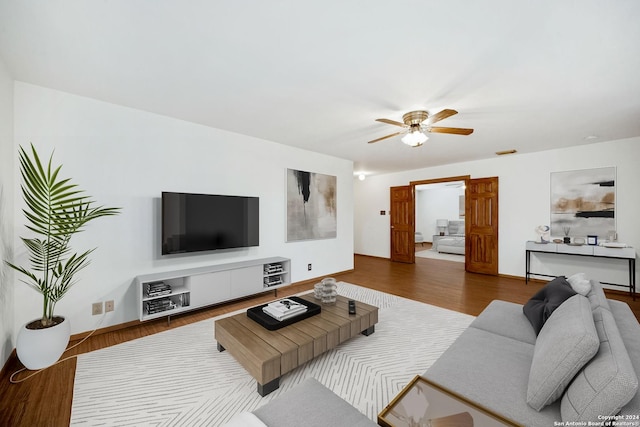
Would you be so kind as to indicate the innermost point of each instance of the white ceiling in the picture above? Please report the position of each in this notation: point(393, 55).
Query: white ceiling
point(525, 75)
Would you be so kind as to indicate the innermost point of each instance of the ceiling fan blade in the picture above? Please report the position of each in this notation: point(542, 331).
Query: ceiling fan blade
point(457, 131)
point(384, 137)
point(441, 115)
point(391, 122)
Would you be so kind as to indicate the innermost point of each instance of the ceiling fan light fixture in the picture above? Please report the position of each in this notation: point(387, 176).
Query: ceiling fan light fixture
point(415, 138)
point(416, 124)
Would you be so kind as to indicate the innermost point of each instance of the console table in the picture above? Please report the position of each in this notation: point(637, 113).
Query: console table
point(588, 251)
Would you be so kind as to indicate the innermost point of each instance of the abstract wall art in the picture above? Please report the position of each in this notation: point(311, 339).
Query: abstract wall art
point(583, 202)
point(311, 206)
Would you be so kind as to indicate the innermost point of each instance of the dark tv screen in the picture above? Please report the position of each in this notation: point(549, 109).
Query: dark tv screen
point(204, 222)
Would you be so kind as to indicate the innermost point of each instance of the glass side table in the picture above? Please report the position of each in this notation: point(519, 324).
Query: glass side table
point(423, 403)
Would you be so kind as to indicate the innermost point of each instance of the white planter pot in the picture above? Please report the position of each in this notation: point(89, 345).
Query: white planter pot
point(40, 348)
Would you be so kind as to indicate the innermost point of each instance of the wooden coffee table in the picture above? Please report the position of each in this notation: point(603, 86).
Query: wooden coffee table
point(267, 355)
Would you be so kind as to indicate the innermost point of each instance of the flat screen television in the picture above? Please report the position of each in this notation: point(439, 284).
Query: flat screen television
point(204, 222)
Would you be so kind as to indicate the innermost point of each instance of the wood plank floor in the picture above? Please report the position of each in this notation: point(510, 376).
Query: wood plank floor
point(45, 399)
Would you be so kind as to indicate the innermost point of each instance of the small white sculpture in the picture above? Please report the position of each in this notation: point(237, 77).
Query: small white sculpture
point(543, 233)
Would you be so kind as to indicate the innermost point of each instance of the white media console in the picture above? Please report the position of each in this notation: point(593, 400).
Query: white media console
point(172, 292)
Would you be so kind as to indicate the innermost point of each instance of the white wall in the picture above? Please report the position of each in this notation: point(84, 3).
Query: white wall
point(524, 182)
point(125, 157)
point(433, 204)
point(6, 213)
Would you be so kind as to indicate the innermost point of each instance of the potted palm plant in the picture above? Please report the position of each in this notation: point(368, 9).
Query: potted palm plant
point(55, 211)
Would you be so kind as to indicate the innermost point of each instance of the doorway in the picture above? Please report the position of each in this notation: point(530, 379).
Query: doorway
point(439, 218)
point(480, 225)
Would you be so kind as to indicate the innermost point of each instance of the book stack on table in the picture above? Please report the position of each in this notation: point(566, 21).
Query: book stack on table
point(155, 289)
point(159, 305)
point(284, 309)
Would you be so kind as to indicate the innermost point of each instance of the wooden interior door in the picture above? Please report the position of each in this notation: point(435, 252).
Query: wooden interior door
point(481, 214)
point(402, 219)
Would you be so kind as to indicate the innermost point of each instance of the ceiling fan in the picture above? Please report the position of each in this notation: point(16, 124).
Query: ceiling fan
point(418, 123)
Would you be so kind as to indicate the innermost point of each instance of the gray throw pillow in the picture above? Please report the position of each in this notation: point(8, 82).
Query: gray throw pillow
point(597, 297)
point(546, 300)
point(607, 382)
point(580, 283)
point(567, 341)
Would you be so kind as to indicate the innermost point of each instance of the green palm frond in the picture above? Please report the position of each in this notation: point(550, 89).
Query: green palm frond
point(41, 250)
point(56, 209)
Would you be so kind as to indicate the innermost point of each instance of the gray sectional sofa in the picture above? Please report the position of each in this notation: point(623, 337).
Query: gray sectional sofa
point(572, 359)
point(581, 366)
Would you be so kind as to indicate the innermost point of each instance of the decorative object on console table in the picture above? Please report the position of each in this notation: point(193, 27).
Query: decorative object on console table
point(424, 403)
point(442, 224)
point(592, 240)
point(578, 241)
point(543, 233)
point(311, 206)
point(619, 245)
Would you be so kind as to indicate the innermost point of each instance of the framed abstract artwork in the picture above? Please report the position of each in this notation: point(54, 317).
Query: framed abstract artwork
point(583, 202)
point(311, 206)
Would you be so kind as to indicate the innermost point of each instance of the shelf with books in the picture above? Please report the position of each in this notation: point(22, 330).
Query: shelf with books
point(276, 274)
point(170, 303)
point(167, 293)
point(161, 289)
point(163, 297)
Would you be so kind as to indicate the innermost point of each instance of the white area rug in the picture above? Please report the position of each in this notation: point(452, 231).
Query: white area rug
point(178, 377)
point(440, 255)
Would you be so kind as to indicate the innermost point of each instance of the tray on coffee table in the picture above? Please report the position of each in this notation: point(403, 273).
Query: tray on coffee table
point(268, 322)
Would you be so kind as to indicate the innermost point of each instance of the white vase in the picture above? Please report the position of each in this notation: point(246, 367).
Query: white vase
point(41, 348)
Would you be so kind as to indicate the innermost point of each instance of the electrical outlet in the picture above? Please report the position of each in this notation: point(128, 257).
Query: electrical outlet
point(96, 308)
point(309, 267)
point(109, 306)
